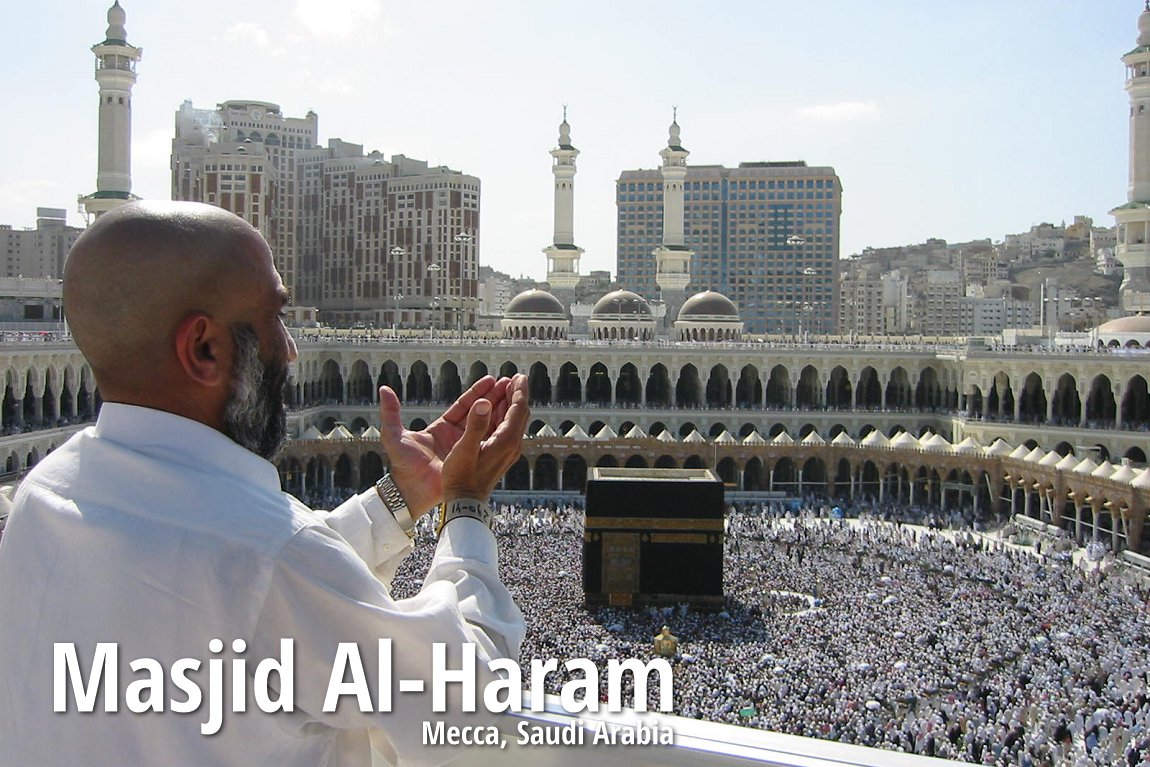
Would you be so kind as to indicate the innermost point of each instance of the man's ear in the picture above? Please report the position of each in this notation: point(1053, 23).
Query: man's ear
point(201, 348)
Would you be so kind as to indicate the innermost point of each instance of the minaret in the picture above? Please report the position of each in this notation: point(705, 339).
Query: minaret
point(116, 74)
point(563, 254)
point(673, 257)
point(1134, 217)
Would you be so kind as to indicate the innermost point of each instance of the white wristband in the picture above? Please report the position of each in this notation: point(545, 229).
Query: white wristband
point(465, 507)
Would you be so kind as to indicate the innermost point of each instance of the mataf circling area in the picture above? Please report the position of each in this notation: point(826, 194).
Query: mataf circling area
point(923, 641)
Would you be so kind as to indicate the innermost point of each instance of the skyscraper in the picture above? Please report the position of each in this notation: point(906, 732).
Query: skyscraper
point(765, 234)
point(362, 238)
point(116, 74)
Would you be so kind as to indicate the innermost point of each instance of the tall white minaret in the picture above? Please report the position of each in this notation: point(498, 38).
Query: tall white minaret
point(116, 74)
point(563, 254)
point(1134, 217)
point(673, 257)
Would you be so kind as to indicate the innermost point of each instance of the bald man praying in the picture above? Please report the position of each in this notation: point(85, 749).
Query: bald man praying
point(163, 602)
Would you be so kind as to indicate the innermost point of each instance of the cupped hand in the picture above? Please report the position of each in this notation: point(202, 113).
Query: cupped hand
point(488, 446)
point(416, 457)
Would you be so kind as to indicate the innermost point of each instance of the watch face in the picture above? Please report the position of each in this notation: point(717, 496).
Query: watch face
point(257, 114)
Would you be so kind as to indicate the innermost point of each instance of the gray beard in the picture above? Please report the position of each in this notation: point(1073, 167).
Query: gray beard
point(255, 416)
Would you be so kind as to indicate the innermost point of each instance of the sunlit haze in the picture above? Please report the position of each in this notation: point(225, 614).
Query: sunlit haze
point(954, 120)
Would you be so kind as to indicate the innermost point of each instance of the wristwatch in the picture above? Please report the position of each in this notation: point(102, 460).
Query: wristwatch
point(465, 507)
point(394, 503)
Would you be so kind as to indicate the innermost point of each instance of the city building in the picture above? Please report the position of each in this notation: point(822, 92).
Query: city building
point(871, 303)
point(364, 239)
point(764, 234)
point(38, 252)
point(495, 292)
point(988, 317)
point(939, 315)
point(116, 74)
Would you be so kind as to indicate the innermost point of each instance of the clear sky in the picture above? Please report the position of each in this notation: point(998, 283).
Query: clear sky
point(958, 120)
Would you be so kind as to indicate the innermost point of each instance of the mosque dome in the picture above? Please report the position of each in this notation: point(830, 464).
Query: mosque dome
point(535, 302)
point(1135, 323)
point(621, 302)
point(1132, 331)
point(708, 316)
point(535, 314)
point(708, 304)
point(622, 315)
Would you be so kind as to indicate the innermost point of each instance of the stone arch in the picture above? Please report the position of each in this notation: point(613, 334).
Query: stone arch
point(749, 389)
point(728, 472)
point(1032, 399)
point(539, 384)
point(574, 473)
point(718, 391)
point(569, 388)
point(838, 394)
point(868, 393)
point(1066, 405)
point(628, 388)
point(808, 393)
point(778, 395)
point(449, 386)
point(754, 479)
point(598, 388)
point(331, 382)
point(546, 475)
point(687, 390)
point(1136, 404)
point(658, 389)
point(419, 383)
point(898, 394)
point(359, 387)
point(784, 476)
point(1000, 400)
point(928, 392)
point(1101, 408)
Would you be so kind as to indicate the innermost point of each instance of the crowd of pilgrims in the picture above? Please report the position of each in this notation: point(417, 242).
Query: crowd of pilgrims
point(924, 638)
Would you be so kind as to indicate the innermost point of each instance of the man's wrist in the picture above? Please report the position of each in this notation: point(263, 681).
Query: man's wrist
point(395, 504)
point(460, 508)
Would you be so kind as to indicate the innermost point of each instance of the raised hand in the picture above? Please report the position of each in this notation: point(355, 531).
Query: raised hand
point(488, 447)
point(416, 457)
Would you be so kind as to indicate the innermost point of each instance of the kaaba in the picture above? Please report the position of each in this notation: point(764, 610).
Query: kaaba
point(653, 537)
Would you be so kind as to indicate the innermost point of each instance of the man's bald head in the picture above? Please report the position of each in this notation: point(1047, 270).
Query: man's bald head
point(140, 270)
